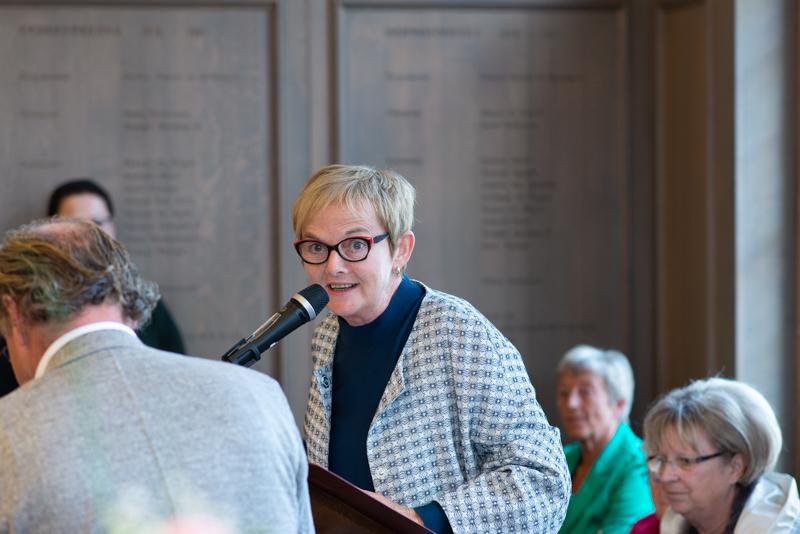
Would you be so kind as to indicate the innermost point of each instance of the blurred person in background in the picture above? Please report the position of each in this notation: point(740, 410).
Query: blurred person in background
point(85, 199)
point(712, 447)
point(609, 474)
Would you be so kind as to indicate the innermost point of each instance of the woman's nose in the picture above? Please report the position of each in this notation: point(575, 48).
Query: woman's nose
point(335, 263)
point(668, 472)
point(573, 400)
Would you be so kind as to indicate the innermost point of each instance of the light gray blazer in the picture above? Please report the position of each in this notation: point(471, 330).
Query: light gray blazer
point(458, 423)
point(120, 436)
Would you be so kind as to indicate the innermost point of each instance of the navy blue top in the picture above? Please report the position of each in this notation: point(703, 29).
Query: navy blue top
point(363, 362)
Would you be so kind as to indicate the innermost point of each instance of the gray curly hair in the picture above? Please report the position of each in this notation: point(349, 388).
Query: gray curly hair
point(53, 268)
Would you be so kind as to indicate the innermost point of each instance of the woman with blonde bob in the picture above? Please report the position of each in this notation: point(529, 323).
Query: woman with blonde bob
point(415, 396)
point(711, 447)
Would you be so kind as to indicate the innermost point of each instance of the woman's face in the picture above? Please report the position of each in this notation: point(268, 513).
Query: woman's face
point(697, 490)
point(359, 291)
point(587, 411)
point(88, 206)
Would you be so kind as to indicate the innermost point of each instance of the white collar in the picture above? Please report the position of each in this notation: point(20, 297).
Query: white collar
point(773, 506)
point(62, 340)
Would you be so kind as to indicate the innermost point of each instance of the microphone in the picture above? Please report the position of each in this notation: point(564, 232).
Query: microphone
point(301, 308)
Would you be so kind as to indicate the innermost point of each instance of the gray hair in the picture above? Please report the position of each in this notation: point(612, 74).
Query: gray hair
point(734, 416)
point(53, 271)
point(610, 365)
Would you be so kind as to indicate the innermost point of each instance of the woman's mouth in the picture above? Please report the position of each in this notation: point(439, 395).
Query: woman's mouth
point(340, 287)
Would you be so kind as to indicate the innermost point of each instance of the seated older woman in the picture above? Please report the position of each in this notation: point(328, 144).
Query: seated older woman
point(711, 447)
point(609, 475)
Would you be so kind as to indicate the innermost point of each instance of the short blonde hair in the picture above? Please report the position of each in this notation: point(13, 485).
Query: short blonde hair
point(389, 194)
point(735, 417)
point(610, 365)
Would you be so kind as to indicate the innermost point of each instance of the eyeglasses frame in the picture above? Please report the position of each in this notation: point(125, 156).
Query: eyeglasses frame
point(690, 462)
point(371, 240)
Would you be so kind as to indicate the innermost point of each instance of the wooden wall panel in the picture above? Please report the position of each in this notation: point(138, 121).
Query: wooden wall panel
point(171, 108)
point(694, 175)
point(682, 162)
point(514, 125)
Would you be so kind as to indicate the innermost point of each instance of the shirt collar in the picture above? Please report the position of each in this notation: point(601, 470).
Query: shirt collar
point(62, 340)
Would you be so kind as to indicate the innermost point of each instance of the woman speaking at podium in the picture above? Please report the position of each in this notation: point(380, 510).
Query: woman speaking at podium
point(415, 395)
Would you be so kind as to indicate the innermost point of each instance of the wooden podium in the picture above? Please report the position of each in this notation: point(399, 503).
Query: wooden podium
point(339, 507)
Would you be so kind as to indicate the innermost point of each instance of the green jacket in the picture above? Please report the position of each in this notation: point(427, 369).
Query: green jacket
point(615, 493)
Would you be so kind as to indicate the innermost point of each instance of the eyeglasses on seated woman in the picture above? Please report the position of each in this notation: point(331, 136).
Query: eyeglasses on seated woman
point(711, 449)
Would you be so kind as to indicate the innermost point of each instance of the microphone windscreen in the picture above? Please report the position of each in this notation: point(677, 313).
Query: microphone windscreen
point(316, 295)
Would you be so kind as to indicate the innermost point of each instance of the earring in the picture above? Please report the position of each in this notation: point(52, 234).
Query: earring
point(397, 271)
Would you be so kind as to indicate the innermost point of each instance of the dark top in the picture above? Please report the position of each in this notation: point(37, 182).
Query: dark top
point(8, 382)
point(364, 360)
point(162, 332)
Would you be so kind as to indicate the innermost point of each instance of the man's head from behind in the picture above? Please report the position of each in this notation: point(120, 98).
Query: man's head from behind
point(83, 198)
point(55, 274)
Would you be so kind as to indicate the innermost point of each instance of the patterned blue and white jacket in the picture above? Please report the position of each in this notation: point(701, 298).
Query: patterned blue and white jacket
point(458, 423)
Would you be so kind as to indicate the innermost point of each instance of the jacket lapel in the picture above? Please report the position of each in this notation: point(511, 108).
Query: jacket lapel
point(397, 381)
point(592, 496)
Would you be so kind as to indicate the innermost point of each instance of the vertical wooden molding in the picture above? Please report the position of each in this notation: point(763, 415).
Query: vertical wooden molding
point(643, 235)
point(694, 174)
point(683, 150)
point(721, 202)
